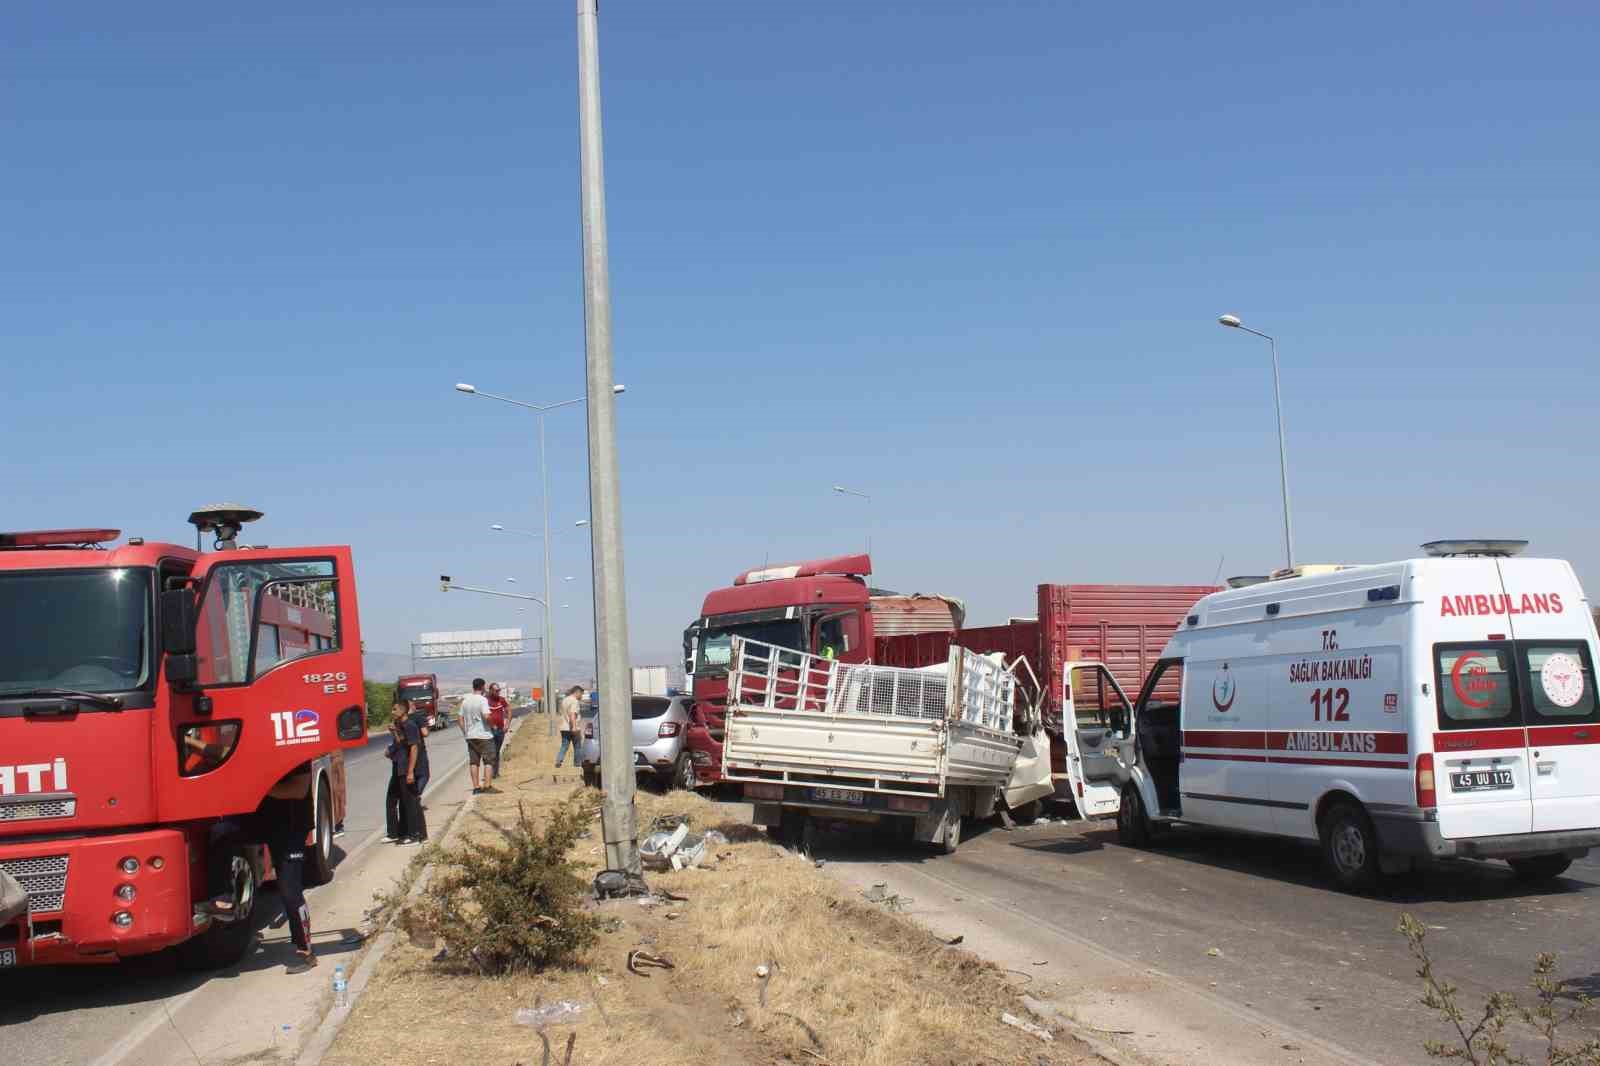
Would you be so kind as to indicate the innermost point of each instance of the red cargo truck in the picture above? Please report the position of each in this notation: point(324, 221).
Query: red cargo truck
point(822, 606)
point(150, 697)
point(1123, 626)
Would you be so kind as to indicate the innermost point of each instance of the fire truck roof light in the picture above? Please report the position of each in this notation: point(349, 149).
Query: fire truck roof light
point(58, 538)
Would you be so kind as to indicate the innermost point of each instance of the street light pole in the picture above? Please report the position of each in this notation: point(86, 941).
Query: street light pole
point(1233, 322)
point(841, 490)
point(618, 819)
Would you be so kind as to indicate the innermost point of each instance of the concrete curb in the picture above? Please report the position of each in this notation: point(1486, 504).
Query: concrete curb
point(328, 1030)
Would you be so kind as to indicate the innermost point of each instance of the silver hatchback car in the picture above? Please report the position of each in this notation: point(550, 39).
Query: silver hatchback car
point(659, 725)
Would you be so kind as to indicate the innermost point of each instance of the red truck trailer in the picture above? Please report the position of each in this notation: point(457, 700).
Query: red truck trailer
point(1123, 626)
point(151, 696)
point(822, 606)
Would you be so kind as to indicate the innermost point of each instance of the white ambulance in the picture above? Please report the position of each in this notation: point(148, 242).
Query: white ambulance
point(1434, 708)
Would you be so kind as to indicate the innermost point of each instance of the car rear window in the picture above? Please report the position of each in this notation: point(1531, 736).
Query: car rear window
point(1477, 685)
point(650, 707)
point(1560, 681)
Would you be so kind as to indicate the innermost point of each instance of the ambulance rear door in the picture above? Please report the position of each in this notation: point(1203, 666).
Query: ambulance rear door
point(1555, 647)
point(1482, 769)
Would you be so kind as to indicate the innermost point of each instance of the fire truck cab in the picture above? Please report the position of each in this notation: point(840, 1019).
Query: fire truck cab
point(151, 696)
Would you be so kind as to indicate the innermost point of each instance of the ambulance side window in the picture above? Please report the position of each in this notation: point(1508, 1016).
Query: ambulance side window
point(1560, 682)
point(1476, 685)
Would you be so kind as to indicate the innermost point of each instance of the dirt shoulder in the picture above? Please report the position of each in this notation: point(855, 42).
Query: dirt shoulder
point(847, 983)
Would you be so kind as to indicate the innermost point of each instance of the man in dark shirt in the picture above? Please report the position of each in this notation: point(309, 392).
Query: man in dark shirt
point(284, 820)
point(408, 759)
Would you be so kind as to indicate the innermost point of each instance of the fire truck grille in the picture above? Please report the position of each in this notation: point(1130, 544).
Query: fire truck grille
point(44, 879)
point(26, 810)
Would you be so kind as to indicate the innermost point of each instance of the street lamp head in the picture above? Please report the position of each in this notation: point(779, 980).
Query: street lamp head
point(463, 387)
point(1227, 320)
point(512, 580)
point(581, 522)
point(498, 528)
point(619, 389)
point(840, 488)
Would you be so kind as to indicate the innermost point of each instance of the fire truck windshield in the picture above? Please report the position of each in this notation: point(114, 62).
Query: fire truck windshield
point(87, 630)
point(716, 642)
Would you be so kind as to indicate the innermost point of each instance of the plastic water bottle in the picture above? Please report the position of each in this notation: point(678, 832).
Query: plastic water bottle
point(341, 988)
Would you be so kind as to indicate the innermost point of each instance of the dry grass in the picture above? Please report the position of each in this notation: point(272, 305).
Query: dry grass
point(872, 988)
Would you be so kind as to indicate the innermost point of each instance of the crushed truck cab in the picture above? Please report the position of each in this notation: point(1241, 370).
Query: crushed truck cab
point(151, 696)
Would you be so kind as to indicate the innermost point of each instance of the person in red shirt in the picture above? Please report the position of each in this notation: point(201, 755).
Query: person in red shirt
point(499, 715)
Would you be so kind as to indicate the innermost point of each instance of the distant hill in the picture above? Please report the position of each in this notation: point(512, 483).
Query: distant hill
point(517, 670)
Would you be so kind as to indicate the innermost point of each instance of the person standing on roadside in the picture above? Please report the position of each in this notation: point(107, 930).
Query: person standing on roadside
point(285, 821)
point(480, 738)
point(570, 717)
point(499, 716)
point(409, 766)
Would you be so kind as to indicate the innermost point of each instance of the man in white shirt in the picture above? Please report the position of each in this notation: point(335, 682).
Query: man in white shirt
point(474, 721)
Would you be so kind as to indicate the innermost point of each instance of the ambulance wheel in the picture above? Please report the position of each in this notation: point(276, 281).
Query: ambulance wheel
point(1540, 867)
point(1133, 828)
point(1350, 847)
point(319, 862)
point(232, 874)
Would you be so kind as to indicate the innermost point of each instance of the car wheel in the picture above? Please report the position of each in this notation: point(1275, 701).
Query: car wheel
point(683, 772)
point(319, 870)
point(231, 873)
point(1133, 828)
point(1350, 848)
point(1540, 867)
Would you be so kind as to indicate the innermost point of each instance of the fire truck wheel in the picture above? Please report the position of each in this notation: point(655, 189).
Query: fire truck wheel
point(1540, 867)
point(319, 862)
point(1350, 847)
point(232, 874)
point(1133, 828)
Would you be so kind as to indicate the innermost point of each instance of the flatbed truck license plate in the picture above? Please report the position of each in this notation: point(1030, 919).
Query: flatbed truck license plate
point(1481, 781)
point(8, 956)
point(839, 795)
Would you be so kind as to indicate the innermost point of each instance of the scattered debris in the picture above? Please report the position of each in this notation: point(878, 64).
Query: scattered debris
point(737, 1018)
point(545, 1040)
point(1028, 1027)
point(801, 1022)
point(953, 941)
point(657, 849)
point(562, 1010)
point(673, 916)
point(637, 958)
point(1041, 962)
point(763, 970)
point(877, 893)
point(618, 884)
point(1215, 953)
point(764, 974)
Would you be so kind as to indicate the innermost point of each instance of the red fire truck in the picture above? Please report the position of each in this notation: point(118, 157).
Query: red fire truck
point(151, 696)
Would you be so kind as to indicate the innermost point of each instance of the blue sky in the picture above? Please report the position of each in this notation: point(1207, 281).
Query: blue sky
point(967, 258)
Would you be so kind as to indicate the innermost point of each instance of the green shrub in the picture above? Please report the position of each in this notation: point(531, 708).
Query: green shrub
point(380, 702)
point(510, 904)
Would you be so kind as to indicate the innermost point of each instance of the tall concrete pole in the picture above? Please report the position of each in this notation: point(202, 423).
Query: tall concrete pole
point(618, 819)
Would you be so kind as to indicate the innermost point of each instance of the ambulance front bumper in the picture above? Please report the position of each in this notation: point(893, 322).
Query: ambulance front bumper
point(1412, 833)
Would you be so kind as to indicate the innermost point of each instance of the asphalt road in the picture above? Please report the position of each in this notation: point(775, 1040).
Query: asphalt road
point(1287, 946)
point(83, 1014)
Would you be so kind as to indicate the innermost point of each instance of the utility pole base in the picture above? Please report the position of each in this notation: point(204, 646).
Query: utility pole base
point(620, 828)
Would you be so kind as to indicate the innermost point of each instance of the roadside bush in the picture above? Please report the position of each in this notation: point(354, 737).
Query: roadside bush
point(1483, 1040)
point(515, 904)
point(380, 702)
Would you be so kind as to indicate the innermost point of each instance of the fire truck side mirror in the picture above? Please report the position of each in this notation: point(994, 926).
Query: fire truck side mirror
point(350, 724)
point(179, 617)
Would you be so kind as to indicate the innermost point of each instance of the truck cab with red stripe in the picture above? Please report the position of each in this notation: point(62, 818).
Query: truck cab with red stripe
point(1440, 707)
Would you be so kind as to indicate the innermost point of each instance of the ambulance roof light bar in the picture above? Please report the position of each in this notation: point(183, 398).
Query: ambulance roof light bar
point(1505, 549)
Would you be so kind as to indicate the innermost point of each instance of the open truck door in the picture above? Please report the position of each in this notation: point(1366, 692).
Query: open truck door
point(266, 647)
point(1096, 728)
